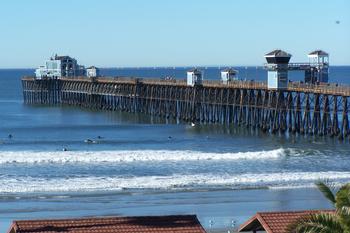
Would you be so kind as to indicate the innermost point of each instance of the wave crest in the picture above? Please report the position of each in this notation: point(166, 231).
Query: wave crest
point(32, 157)
point(192, 182)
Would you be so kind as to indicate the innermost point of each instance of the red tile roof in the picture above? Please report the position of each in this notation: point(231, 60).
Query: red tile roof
point(146, 224)
point(275, 222)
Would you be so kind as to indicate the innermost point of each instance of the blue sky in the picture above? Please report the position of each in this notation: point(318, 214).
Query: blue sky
point(171, 33)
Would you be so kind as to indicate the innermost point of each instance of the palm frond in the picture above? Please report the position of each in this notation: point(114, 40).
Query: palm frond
point(327, 190)
point(316, 223)
point(345, 210)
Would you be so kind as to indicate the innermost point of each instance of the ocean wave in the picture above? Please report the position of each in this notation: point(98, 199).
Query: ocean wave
point(172, 182)
point(32, 157)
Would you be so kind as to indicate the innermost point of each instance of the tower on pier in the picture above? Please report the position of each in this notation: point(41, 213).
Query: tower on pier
point(319, 67)
point(92, 71)
point(60, 66)
point(277, 67)
point(228, 75)
point(194, 77)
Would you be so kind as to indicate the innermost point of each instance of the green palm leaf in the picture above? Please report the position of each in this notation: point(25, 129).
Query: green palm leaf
point(345, 210)
point(317, 223)
point(327, 191)
point(343, 205)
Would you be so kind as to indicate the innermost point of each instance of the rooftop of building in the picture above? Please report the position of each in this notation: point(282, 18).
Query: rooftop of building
point(141, 224)
point(230, 70)
point(92, 67)
point(194, 70)
point(278, 53)
point(318, 53)
point(64, 57)
point(276, 222)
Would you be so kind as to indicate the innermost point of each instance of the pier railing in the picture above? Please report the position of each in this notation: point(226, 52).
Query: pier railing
point(329, 88)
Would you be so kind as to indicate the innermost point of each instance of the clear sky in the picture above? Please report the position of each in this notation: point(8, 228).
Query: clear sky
point(171, 33)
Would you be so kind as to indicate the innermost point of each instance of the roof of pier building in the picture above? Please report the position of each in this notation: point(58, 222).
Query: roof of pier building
point(277, 56)
point(194, 70)
point(230, 70)
point(276, 222)
point(278, 53)
point(318, 53)
point(92, 67)
point(64, 58)
point(144, 224)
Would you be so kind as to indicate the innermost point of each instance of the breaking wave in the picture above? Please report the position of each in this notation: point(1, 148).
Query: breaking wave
point(176, 182)
point(32, 157)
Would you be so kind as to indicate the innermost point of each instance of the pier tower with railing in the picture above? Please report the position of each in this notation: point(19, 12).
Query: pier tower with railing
point(277, 67)
point(194, 77)
point(228, 75)
point(319, 67)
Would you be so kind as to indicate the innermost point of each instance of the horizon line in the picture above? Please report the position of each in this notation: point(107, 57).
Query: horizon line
point(157, 67)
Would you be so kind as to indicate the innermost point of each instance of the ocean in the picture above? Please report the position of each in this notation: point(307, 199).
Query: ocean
point(143, 165)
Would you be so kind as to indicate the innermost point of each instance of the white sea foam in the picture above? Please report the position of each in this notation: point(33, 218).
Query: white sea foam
point(256, 180)
point(130, 156)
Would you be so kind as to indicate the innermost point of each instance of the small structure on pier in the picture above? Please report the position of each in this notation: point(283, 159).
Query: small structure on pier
point(277, 66)
point(319, 67)
point(194, 77)
point(60, 66)
point(228, 75)
point(92, 71)
point(51, 69)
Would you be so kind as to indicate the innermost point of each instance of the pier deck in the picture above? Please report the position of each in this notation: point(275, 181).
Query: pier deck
point(301, 108)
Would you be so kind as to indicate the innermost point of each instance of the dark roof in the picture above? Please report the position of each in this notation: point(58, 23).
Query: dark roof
point(195, 70)
point(230, 70)
point(65, 57)
point(92, 67)
point(319, 53)
point(62, 57)
point(278, 53)
point(146, 224)
point(276, 222)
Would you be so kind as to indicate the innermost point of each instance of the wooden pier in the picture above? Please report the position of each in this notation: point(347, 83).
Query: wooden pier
point(301, 108)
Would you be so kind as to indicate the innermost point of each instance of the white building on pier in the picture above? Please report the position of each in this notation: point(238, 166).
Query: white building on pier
point(194, 77)
point(60, 66)
point(228, 75)
point(92, 71)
